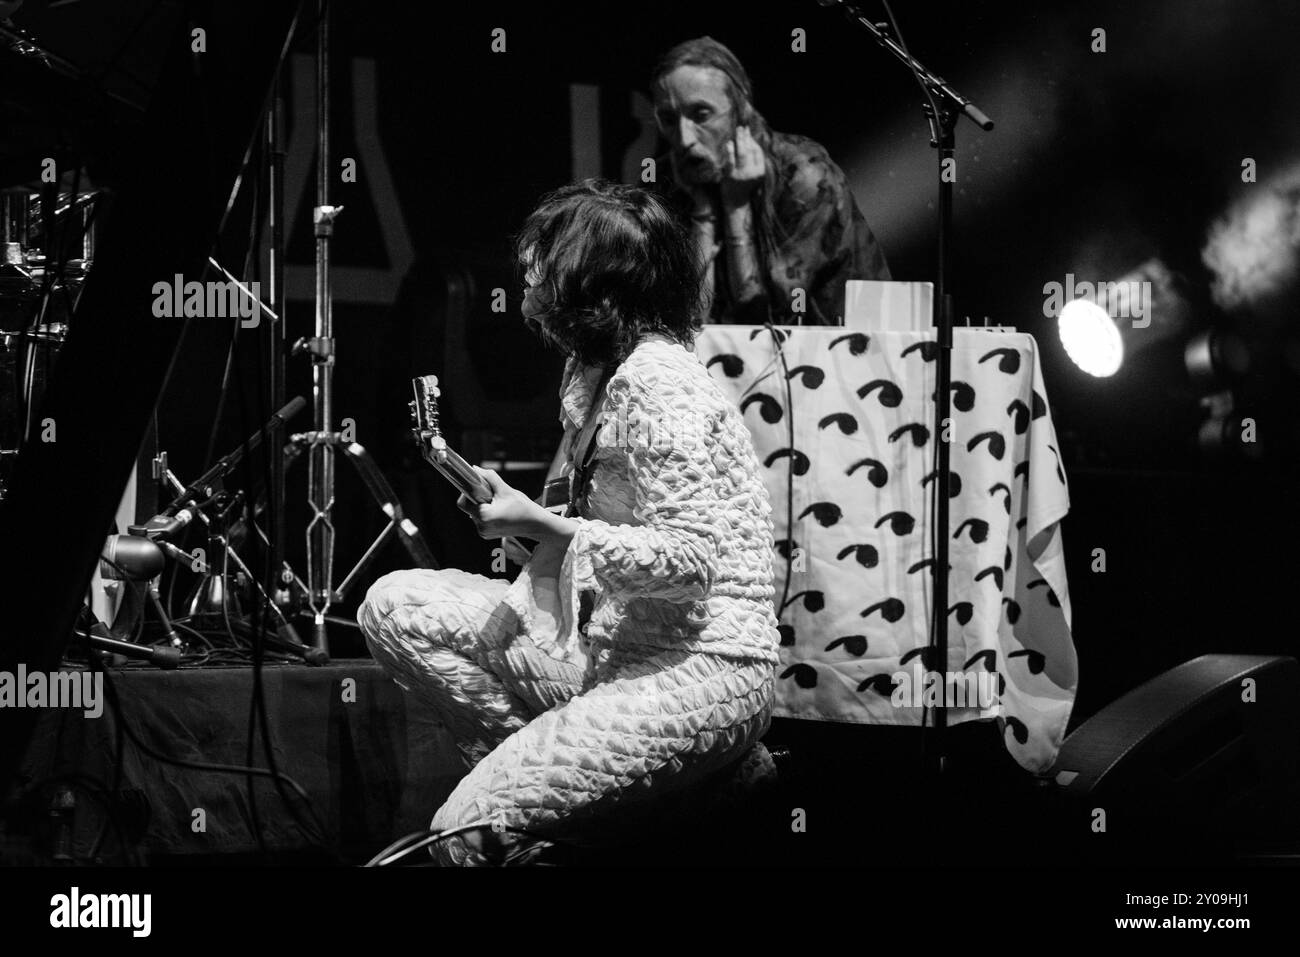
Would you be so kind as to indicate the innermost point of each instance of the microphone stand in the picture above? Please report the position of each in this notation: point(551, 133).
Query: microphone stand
point(324, 442)
point(215, 591)
point(203, 485)
point(942, 108)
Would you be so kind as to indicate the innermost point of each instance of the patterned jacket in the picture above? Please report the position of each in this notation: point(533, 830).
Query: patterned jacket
point(674, 547)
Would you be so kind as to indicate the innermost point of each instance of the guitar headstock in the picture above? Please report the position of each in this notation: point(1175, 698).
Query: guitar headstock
point(434, 448)
point(425, 424)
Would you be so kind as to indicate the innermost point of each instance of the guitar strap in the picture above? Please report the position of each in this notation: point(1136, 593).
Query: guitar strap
point(585, 448)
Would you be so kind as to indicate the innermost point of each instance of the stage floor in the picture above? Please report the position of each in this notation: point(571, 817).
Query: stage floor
point(373, 762)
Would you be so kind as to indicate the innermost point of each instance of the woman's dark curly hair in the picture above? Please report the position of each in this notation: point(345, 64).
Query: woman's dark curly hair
point(614, 264)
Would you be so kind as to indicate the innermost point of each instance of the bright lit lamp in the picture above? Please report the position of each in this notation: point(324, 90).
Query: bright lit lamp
point(1090, 337)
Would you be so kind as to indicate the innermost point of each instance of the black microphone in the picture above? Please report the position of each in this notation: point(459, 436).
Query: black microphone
point(130, 555)
point(291, 408)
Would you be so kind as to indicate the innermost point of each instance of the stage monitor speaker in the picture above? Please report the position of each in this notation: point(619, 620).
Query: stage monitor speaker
point(1212, 745)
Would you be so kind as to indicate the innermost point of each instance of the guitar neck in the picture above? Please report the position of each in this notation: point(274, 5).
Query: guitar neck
point(460, 473)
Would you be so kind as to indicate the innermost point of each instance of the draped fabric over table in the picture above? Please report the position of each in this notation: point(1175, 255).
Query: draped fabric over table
point(857, 609)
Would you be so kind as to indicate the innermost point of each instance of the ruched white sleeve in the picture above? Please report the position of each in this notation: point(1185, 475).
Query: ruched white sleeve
point(671, 445)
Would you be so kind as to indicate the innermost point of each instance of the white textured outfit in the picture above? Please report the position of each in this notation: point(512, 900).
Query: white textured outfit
point(672, 676)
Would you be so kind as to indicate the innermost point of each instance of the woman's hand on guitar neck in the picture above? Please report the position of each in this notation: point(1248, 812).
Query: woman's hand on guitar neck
point(512, 514)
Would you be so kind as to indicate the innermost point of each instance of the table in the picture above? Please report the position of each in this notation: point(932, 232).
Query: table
point(855, 617)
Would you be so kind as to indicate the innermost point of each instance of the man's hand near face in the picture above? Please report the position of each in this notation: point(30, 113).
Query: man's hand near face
point(743, 169)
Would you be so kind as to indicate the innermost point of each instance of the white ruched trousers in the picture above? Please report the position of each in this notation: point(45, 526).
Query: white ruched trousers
point(550, 748)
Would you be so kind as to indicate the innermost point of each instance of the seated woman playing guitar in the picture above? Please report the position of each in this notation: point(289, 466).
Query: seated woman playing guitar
point(634, 655)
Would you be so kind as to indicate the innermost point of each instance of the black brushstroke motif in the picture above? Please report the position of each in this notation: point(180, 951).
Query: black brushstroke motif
point(891, 396)
point(1008, 360)
point(994, 572)
point(865, 555)
point(1039, 407)
point(768, 407)
point(882, 684)
point(846, 422)
point(920, 434)
point(877, 474)
point(857, 341)
point(963, 396)
point(1060, 474)
point(781, 334)
point(798, 461)
point(732, 366)
point(826, 513)
point(812, 600)
point(900, 523)
point(954, 482)
point(1035, 661)
point(1022, 469)
point(1002, 487)
point(805, 676)
point(997, 444)
point(1021, 524)
point(979, 530)
point(784, 546)
point(1006, 562)
point(965, 610)
point(810, 377)
point(1018, 729)
point(989, 659)
point(1051, 595)
point(891, 609)
point(928, 348)
point(787, 635)
point(923, 564)
point(1019, 413)
point(855, 645)
point(1013, 610)
point(925, 653)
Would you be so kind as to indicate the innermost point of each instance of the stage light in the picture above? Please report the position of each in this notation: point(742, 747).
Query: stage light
point(1104, 325)
point(1215, 358)
point(1090, 337)
point(1227, 432)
